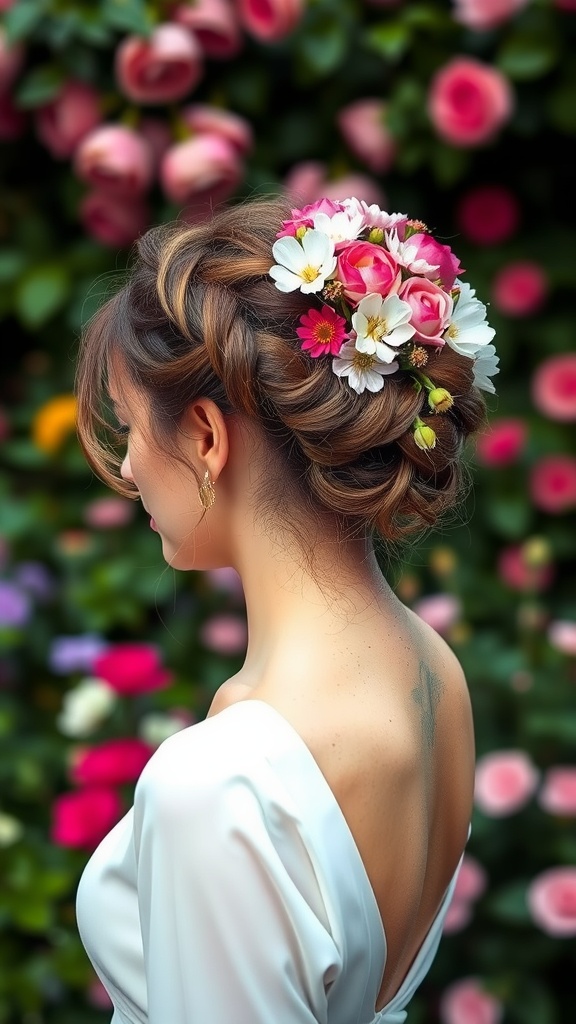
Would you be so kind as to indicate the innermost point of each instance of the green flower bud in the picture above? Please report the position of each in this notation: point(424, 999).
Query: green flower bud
point(300, 232)
point(440, 400)
point(424, 436)
point(376, 235)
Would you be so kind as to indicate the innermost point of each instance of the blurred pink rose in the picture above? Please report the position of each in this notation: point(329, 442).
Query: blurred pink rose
point(441, 611)
point(226, 634)
point(81, 819)
point(516, 571)
point(163, 68)
point(437, 255)
point(158, 135)
point(226, 579)
point(112, 220)
point(554, 387)
point(558, 791)
point(269, 20)
point(106, 513)
point(5, 5)
point(551, 899)
point(11, 60)
point(469, 101)
point(307, 182)
point(472, 879)
point(364, 268)
point(203, 119)
point(520, 288)
point(363, 126)
point(97, 995)
point(502, 442)
point(486, 14)
point(505, 781)
point(131, 669)
point(431, 309)
point(115, 159)
point(565, 5)
point(488, 214)
point(63, 123)
point(553, 483)
point(111, 763)
point(467, 1002)
point(562, 636)
point(458, 916)
point(215, 25)
point(13, 121)
point(358, 186)
point(202, 171)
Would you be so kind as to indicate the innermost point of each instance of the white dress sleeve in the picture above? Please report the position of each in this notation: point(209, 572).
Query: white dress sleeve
point(233, 926)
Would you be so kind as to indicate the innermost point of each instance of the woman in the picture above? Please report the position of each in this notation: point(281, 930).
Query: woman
point(292, 386)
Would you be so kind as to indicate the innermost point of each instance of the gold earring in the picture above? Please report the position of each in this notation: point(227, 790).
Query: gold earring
point(206, 492)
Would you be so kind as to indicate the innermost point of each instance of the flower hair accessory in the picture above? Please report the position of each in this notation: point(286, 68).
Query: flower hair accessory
point(390, 299)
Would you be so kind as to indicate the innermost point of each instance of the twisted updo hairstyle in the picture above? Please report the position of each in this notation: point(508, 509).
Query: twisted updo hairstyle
point(198, 315)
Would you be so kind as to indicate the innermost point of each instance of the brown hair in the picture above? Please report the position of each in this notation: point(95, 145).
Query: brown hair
point(199, 315)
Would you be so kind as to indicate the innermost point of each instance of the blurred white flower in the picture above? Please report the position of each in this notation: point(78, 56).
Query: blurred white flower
point(85, 707)
point(10, 829)
point(155, 727)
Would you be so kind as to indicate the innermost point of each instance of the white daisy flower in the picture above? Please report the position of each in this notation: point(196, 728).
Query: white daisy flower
point(381, 323)
point(373, 216)
point(468, 330)
point(303, 264)
point(343, 226)
point(364, 371)
point(85, 707)
point(486, 366)
point(406, 253)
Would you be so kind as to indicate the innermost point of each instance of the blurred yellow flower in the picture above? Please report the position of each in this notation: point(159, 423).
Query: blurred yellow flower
point(54, 422)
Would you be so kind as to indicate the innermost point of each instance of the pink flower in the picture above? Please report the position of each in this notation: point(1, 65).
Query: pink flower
point(111, 763)
point(363, 125)
point(160, 69)
point(111, 220)
point(226, 634)
point(553, 483)
point(322, 332)
point(269, 20)
point(115, 159)
point(562, 636)
point(431, 309)
point(472, 879)
point(558, 792)
point(304, 218)
point(439, 256)
point(441, 611)
point(488, 214)
point(565, 5)
point(203, 119)
point(554, 387)
point(72, 114)
point(11, 60)
point(551, 899)
point(157, 133)
point(215, 25)
point(307, 182)
point(106, 513)
point(82, 819)
point(131, 669)
point(458, 916)
point(359, 185)
point(364, 268)
point(202, 170)
point(502, 442)
point(486, 14)
point(12, 120)
point(97, 995)
point(467, 1002)
point(469, 101)
point(520, 288)
point(505, 781)
point(515, 570)
point(227, 580)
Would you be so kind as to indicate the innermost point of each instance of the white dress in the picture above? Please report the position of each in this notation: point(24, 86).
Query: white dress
point(233, 891)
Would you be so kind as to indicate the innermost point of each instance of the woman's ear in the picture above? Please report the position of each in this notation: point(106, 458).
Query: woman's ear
point(207, 433)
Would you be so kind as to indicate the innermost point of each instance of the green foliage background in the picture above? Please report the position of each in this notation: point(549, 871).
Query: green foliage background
point(113, 582)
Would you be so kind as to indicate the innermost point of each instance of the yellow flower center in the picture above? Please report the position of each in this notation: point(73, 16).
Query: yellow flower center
point(363, 361)
point(453, 331)
point(324, 332)
point(376, 327)
point(309, 273)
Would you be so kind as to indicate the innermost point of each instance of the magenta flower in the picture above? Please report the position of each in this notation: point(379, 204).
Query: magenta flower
point(131, 669)
point(111, 763)
point(81, 819)
point(323, 332)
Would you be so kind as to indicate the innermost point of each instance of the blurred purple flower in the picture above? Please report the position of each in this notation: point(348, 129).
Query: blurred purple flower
point(75, 653)
point(35, 578)
point(14, 605)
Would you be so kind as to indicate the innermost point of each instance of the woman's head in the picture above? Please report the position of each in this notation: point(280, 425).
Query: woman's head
point(199, 317)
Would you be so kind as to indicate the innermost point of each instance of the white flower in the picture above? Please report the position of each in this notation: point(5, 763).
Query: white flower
point(155, 727)
point(364, 371)
point(468, 330)
point(304, 265)
point(85, 707)
point(11, 829)
point(380, 323)
point(343, 226)
point(485, 366)
point(373, 216)
point(406, 252)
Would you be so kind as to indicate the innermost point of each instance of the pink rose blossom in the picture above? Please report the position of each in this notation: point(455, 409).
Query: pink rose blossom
point(363, 126)
point(469, 101)
point(111, 220)
point(107, 513)
point(431, 309)
point(520, 288)
point(553, 484)
point(562, 636)
point(517, 573)
point(270, 20)
point(308, 181)
point(458, 916)
point(82, 819)
point(441, 611)
point(505, 781)
point(11, 60)
point(226, 579)
point(201, 170)
point(203, 119)
point(558, 792)
point(97, 995)
point(111, 763)
point(157, 133)
point(364, 268)
point(226, 634)
point(472, 879)
point(502, 442)
point(68, 118)
point(554, 387)
point(437, 255)
point(304, 217)
point(131, 669)
point(467, 1002)
point(13, 121)
point(359, 185)
point(551, 899)
point(215, 25)
point(488, 214)
point(163, 68)
point(481, 15)
point(115, 159)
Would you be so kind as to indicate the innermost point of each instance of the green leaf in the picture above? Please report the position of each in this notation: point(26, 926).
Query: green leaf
point(40, 86)
point(133, 16)
point(21, 20)
point(508, 904)
point(323, 45)
point(527, 57)
point(390, 39)
point(562, 109)
point(510, 515)
point(560, 725)
point(41, 293)
point(12, 262)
